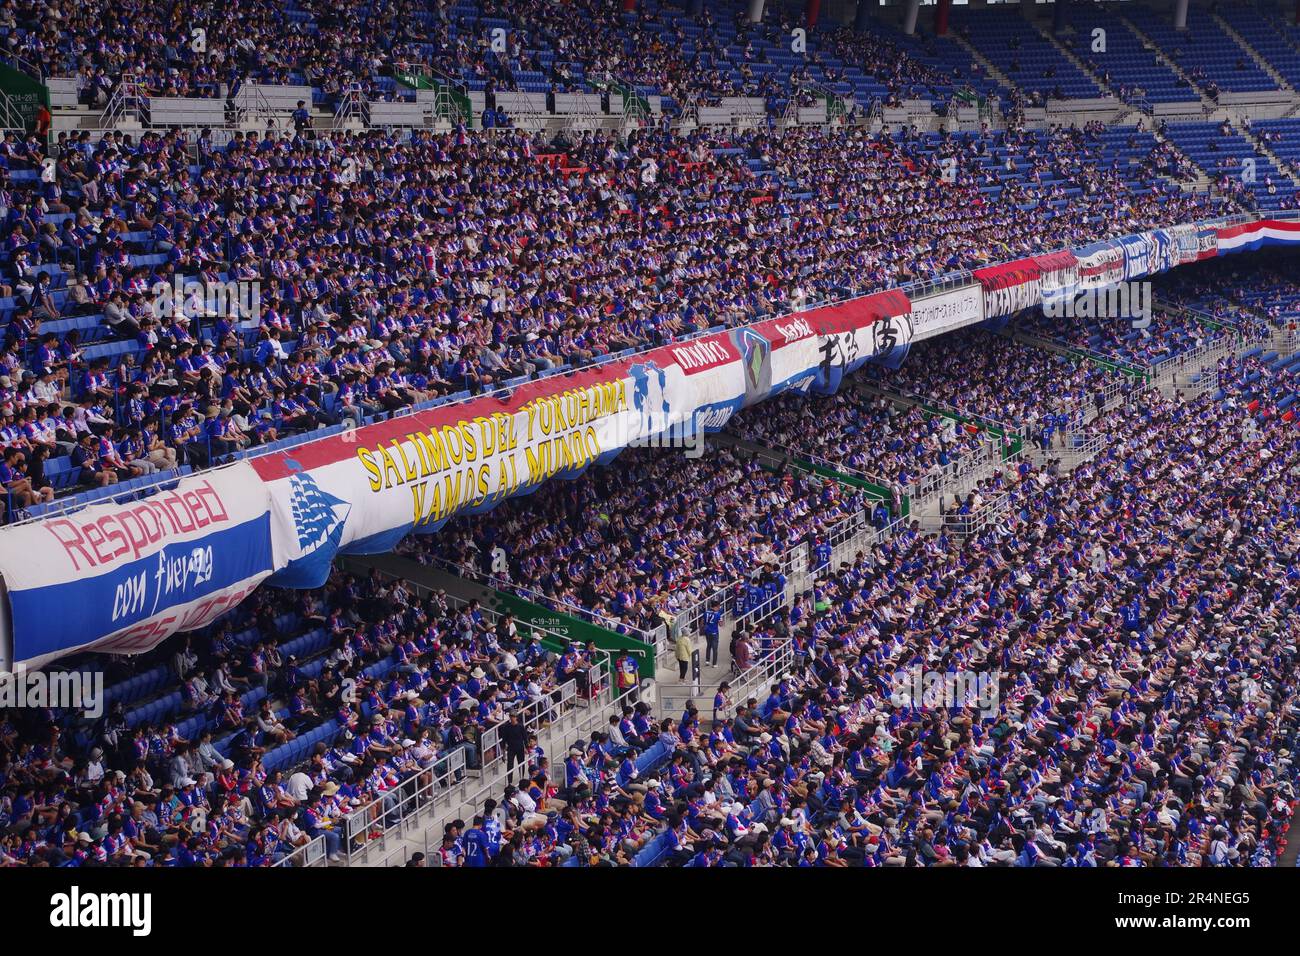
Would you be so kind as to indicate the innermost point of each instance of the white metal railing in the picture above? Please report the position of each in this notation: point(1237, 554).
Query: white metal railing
point(869, 538)
point(1204, 383)
point(766, 666)
point(598, 715)
point(982, 457)
point(1285, 340)
point(312, 853)
point(1080, 448)
point(369, 827)
point(988, 512)
point(599, 709)
point(1201, 356)
point(534, 715)
point(840, 532)
point(353, 107)
point(11, 118)
point(792, 562)
point(492, 769)
point(129, 101)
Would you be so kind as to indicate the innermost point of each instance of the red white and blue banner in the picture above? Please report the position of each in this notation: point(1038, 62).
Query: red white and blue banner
point(1010, 287)
point(1250, 236)
point(1101, 264)
point(1058, 275)
point(120, 578)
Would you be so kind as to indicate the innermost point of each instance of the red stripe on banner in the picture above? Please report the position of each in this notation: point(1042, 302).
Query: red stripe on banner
point(1051, 261)
point(1259, 225)
point(697, 356)
point(858, 313)
point(703, 354)
point(1008, 274)
point(785, 331)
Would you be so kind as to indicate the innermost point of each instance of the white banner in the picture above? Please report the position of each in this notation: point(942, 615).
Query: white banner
point(122, 578)
point(936, 314)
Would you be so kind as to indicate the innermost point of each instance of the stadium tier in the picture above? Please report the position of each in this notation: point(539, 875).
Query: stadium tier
point(649, 433)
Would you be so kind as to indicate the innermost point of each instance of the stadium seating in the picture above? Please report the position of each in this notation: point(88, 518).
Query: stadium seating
point(1125, 578)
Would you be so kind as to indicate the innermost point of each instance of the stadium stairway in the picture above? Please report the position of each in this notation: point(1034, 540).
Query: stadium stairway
point(1070, 56)
point(1261, 35)
point(422, 830)
point(1165, 59)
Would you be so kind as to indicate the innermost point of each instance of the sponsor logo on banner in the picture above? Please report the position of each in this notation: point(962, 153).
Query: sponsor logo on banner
point(933, 314)
point(702, 354)
point(789, 331)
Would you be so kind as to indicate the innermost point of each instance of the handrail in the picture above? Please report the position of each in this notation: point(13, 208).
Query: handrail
point(311, 853)
point(357, 828)
point(994, 509)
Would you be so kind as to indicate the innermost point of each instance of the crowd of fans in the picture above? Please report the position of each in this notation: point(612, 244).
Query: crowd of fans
point(384, 686)
point(576, 46)
point(393, 270)
point(989, 376)
point(1168, 334)
point(1254, 296)
point(1136, 618)
point(864, 434)
point(632, 545)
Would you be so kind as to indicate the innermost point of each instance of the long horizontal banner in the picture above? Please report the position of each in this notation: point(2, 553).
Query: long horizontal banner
point(363, 491)
point(1256, 235)
point(120, 578)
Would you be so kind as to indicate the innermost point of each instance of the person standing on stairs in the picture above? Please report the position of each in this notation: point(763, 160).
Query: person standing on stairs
point(684, 649)
point(712, 626)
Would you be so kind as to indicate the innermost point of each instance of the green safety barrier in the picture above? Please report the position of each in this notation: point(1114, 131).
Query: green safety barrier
point(26, 93)
point(419, 81)
point(529, 616)
point(630, 96)
point(1111, 365)
point(1011, 442)
point(872, 490)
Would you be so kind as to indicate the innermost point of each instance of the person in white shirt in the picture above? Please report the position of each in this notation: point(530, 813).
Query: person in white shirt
point(298, 786)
